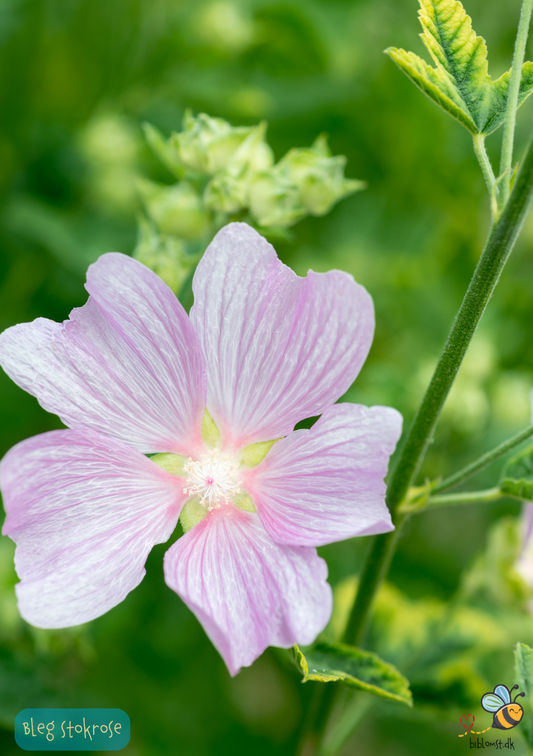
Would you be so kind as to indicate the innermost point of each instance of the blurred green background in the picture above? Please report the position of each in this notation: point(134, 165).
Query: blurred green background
point(77, 78)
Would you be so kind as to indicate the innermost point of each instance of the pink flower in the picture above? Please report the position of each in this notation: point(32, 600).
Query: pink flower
point(130, 374)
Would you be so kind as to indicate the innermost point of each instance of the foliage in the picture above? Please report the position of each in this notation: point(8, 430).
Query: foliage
point(356, 668)
point(459, 82)
point(517, 477)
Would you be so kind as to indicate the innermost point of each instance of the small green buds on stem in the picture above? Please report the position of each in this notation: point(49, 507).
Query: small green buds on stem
point(227, 173)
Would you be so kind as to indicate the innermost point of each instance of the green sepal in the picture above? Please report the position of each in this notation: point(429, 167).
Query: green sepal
point(244, 502)
point(253, 454)
point(210, 432)
point(523, 664)
point(192, 513)
point(459, 82)
point(172, 463)
point(354, 667)
point(165, 254)
point(163, 149)
point(517, 477)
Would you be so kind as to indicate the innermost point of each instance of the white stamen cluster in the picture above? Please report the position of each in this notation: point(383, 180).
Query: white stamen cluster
point(213, 478)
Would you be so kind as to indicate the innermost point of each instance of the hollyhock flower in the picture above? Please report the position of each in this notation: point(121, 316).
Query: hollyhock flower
point(215, 398)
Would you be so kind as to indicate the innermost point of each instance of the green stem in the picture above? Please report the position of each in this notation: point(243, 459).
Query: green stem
point(501, 240)
point(352, 715)
point(512, 100)
point(323, 700)
point(482, 462)
point(376, 566)
point(484, 162)
point(467, 497)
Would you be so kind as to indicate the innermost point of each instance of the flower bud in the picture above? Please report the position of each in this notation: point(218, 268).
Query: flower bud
point(274, 199)
point(207, 145)
point(254, 152)
point(176, 210)
point(228, 190)
point(319, 176)
point(165, 255)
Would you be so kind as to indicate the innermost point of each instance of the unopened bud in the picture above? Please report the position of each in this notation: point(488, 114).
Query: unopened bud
point(207, 145)
point(319, 176)
point(165, 255)
point(228, 190)
point(176, 210)
point(274, 199)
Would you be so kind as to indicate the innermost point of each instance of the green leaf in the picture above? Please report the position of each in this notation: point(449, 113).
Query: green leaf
point(359, 669)
point(459, 82)
point(517, 477)
point(523, 662)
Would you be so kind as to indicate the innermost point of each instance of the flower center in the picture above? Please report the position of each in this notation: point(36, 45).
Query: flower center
point(213, 478)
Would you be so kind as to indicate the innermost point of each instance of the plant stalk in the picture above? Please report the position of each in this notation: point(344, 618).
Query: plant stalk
point(500, 242)
point(512, 100)
point(484, 162)
point(467, 497)
point(484, 461)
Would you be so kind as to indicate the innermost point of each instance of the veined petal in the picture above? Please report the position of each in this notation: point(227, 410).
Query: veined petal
point(326, 484)
point(248, 592)
point(278, 348)
point(127, 364)
point(84, 511)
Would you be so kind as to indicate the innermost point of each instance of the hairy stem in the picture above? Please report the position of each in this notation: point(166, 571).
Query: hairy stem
point(512, 100)
point(484, 162)
point(375, 568)
point(467, 497)
point(501, 240)
point(484, 461)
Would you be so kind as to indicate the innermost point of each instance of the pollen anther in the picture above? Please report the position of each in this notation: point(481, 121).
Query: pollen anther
point(213, 479)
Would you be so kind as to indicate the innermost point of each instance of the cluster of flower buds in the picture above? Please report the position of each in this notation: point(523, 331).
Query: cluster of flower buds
point(165, 254)
point(227, 173)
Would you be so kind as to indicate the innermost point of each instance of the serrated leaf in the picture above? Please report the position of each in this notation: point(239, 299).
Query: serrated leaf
point(354, 667)
point(517, 477)
point(459, 82)
point(523, 662)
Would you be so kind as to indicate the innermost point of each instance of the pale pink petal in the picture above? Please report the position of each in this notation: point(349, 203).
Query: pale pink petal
point(248, 592)
point(326, 484)
point(127, 364)
point(85, 511)
point(279, 348)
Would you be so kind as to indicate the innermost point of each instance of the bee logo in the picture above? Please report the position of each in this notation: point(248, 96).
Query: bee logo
point(507, 713)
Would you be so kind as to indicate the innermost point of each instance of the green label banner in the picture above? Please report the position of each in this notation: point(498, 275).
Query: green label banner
point(72, 729)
